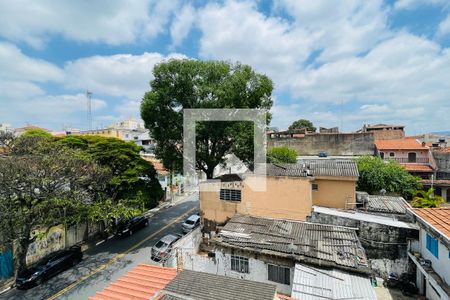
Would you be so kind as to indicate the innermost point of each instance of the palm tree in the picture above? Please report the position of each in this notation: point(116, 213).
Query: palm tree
point(426, 199)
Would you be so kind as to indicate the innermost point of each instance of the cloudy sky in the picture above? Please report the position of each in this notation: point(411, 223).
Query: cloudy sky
point(336, 62)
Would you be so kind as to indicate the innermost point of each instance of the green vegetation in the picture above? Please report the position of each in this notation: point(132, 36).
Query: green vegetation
point(181, 84)
point(46, 181)
point(426, 199)
point(302, 123)
point(282, 155)
point(376, 174)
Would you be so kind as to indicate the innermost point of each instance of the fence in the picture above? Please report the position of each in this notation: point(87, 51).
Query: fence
point(6, 264)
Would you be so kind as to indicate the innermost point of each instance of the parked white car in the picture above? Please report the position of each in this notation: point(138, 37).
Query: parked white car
point(191, 223)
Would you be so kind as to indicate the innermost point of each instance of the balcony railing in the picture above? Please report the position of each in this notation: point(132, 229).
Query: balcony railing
point(405, 160)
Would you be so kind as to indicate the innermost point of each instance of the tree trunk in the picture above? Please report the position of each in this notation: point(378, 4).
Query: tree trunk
point(209, 173)
point(20, 263)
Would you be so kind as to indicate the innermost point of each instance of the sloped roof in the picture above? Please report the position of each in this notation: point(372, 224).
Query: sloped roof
point(417, 168)
point(141, 283)
point(386, 204)
point(317, 284)
point(205, 286)
point(439, 218)
point(399, 144)
point(315, 167)
point(316, 243)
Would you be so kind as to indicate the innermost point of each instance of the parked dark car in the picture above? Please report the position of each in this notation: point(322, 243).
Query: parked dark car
point(48, 267)
point(128, 227)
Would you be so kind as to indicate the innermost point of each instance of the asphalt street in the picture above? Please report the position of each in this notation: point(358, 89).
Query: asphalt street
point(110, 260)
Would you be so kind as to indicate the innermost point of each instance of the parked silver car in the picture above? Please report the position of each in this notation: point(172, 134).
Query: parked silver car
point(190, 223)
point(162, 248)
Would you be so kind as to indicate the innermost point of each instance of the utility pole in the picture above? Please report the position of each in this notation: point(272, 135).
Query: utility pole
point(89, 109)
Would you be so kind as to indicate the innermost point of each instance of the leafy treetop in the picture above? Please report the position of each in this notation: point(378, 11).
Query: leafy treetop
point(282, 155)
point(303, 123)
point(181, 84)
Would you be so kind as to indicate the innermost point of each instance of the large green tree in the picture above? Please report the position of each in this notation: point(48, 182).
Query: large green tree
point(376, 174)
point(133, 180)
point(303, 123)
point(282, 155)
point(181, 84)
point(42, 184)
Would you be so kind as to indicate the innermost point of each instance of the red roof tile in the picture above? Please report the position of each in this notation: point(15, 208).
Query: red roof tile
point(437, 182)
point(140, 283)
point(439, 218)
point(400, 144)
point(417, 168)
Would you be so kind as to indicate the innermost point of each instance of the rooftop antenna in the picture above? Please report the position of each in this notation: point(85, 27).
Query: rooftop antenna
point(89, 108)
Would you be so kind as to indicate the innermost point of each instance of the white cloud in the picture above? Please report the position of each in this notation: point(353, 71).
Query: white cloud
point(17, 66)
point(237, 31)
point(339, 28)
point(444, 27)
point(105, 21)
point(121, 75)
point(412, 4)
point(182, 24)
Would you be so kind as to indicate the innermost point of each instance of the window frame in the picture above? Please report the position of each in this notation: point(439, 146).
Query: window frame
point(234, 195)
point(239, 264)
point(314, 187)
point(432, 245)
point(282, 276)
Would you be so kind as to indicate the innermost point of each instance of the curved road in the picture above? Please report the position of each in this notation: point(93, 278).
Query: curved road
point(107, 262)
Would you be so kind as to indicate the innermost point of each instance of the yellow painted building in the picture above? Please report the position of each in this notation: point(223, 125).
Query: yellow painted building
point(291, 191)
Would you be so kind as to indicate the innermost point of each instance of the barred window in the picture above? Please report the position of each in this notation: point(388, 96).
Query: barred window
point(315, 187)
point(239, 264)
point(279, 274)
point(230, 195)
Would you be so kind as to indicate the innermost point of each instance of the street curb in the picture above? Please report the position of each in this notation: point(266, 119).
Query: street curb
point(9, 283)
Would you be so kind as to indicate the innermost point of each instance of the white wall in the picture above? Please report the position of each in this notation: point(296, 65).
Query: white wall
point(441, 265)
point(221, 265)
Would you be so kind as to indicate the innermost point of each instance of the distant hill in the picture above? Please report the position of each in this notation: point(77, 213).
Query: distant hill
point(441, 132)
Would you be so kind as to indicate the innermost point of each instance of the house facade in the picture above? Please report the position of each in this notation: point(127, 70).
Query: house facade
point(432, 257)
point(413, 155)
point(291, 191)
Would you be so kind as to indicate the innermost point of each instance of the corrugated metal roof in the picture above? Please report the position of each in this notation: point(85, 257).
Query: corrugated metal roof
point(315, 167)
point(317, 284)
point(337, 245)
point(386, 204)
point(205, 286)
point(140, 283)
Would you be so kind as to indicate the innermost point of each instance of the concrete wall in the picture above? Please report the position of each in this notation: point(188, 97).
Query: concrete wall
point(334, 192)
point(385, 246)
point(54, 240)
point(388, 134)
point(285, 198)
point(442, 160)
point(352, 144)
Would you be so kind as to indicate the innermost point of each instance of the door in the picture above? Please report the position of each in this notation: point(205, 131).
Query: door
point(412, 157)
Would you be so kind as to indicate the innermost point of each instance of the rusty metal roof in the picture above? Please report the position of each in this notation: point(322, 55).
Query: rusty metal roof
point(339, 246)
point(142, 282)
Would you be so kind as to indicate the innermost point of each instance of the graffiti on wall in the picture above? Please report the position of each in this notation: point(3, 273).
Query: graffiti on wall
point(45, 244)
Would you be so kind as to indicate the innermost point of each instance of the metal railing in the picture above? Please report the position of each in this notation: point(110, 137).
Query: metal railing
point(406, 160)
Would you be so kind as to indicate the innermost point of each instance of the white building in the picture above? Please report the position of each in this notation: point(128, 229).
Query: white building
point(432, 256)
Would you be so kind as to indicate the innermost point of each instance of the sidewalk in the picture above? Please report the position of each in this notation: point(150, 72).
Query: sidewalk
point(6, 285)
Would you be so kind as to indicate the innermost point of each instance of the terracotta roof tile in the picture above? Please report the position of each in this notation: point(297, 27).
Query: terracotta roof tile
point(142, 282)
point(438, 181)
point(400, 144)
point(417, 167)
point(439, 218)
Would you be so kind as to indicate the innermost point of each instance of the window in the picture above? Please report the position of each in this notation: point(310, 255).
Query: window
point(230, 195)
point(433, 245)
point(239, 264)
point(382, 155)
point(279, 274)
point(392, 154)
point(315, 187)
